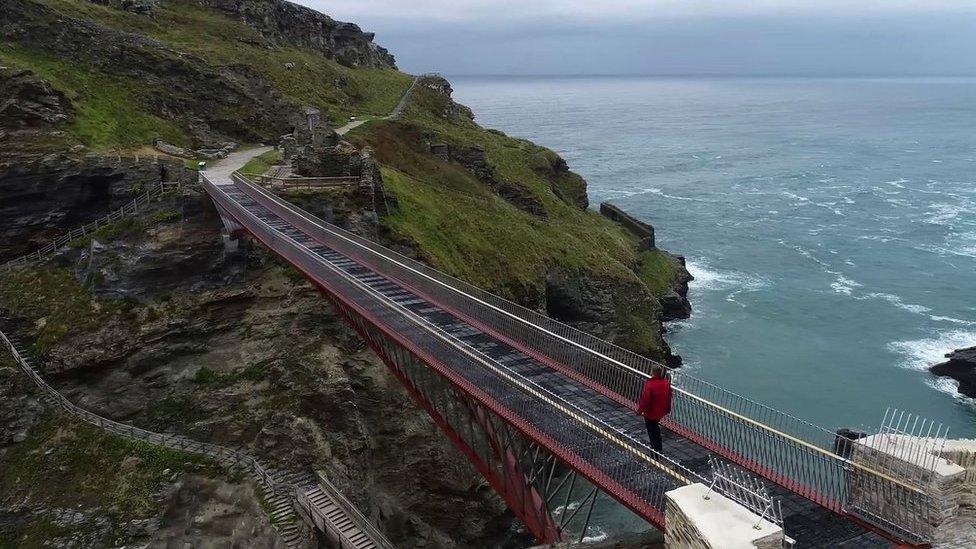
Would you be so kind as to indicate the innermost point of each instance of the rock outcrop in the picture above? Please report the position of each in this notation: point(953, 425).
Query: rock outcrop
point(290, 24)
point(45, 198)
point(26, 101)
point(214, 104)
point(961, 367)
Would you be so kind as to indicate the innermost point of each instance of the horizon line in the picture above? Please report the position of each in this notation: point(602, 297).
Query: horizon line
point(710, 75)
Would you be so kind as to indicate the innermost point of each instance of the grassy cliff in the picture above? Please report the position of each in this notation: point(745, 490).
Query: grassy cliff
point(500, 212)
point(185, 63)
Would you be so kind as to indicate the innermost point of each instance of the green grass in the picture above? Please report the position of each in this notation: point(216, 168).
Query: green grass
point(109, 110)
point(462, 227)
point(262, 162)
point(658, 271)
point(165, 216)
point(206, 376)
point(496, 246)
point(87, 466)
point(474, 234)
point(54, 302)
point(220, 40)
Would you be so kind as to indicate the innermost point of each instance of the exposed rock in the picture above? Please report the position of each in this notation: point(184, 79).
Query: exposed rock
point(961, 366)
point(675, 304)
point(170, 149)
point(204, 512)
point(565, 184)
point(166, 258)
point(843, 445)
point(286, 23)
point(475, 161)
point(323, 160)
point(264, 364)
point(610, 308)
point(28, 101)
point(44, 199)
point(20, 409)
point(445, 107)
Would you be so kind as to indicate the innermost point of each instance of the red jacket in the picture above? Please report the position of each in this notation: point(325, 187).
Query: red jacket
point(655, 401)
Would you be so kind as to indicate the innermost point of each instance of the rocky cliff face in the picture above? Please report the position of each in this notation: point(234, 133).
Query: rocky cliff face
point(43, 199)
point(230, 347)
point(295, 25)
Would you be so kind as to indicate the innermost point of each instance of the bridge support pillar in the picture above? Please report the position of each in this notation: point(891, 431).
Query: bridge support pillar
point(699, 518)
point(947, 474)
point(232, 232)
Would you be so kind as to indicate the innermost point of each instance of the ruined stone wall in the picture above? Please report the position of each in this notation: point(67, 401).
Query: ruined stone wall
point(641, 230)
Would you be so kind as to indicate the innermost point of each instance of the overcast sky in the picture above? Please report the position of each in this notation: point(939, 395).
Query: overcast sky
point(832, 37)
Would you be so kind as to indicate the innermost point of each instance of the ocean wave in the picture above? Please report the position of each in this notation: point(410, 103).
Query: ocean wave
point(947, 214)
point(920, 354)
point(897, 302)
point(709, 279)
point(661, 193)
point(794, 196)
point(597, 535)
point(951, 387)
point(844, 285)
point(952, 320)
point(830, 206)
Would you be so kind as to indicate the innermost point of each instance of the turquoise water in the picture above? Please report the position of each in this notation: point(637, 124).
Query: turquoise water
point(830, 223)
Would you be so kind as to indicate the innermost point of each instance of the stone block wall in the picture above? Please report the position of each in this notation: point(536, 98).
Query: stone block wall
point(901, 457)
point(963, 454)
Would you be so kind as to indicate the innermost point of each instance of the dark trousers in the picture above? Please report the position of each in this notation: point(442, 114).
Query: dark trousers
point(654, 433)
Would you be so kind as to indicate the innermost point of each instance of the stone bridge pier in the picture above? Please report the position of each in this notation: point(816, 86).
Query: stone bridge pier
point(947, 473)
point(700, 518)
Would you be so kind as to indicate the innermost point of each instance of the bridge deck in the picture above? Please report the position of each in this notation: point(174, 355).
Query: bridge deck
point(809, 524)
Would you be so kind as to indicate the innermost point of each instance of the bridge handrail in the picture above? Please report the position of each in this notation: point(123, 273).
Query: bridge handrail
point(824, 476)
point(353, 512)
point(591, 423)
point(126, 210)
point(467, 289)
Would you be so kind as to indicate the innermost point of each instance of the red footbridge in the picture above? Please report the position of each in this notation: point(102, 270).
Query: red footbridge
point(546, 413)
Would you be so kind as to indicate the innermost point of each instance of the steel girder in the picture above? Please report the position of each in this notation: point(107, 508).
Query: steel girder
point(537, 487)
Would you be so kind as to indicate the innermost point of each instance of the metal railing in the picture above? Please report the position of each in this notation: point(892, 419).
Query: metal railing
point(286, 182)
point(746, 491)
point(638, 470)
point(352, 513)
point(128, 209)
point(792, 452)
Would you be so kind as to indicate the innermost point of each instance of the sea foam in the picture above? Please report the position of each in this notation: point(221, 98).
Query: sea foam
point(920, 354)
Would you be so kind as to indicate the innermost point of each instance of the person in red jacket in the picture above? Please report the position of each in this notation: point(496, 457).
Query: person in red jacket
point(655, 403)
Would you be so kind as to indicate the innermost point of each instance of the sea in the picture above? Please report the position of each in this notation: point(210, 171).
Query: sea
point(830, 224)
